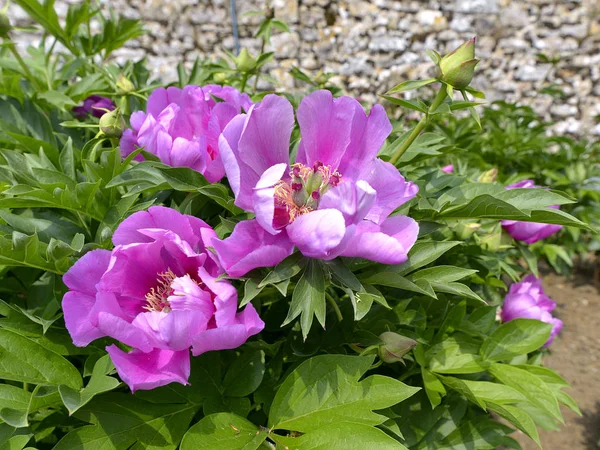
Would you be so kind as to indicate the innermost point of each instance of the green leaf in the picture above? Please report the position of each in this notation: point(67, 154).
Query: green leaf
point(422, 254)
point(461, 387)
point(22, 359)
point(325, 390)
point(456, 358)
point(99, 382)
point(223, 431)
point(308, 299)
point(459, 289)
point(119, 421)
point(480, 433)
point(57, 99)
point(530, 386)
point(516, 337)
point(442, 274)
point(519, 419)
point(343, 274)
point(245, 374)
point(17, 404)
point(433, 387)
point(415, 105)
point(286, 269)
point(394, 280)
point(494, 392)
point(347, 436)
point(410, 85)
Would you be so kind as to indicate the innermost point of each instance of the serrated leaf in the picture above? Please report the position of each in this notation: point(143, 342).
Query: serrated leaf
point(325, 390)
point(516, 337)
point(223, 431)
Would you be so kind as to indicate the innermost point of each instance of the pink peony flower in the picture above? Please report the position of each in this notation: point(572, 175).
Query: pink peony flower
point(335, 200)
point(94, 104)
point(526, 300)
point(448, 169)
point(529, 232)
point(182, 126)
point(157, 292)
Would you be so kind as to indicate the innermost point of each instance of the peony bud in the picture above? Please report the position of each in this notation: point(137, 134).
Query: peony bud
point(488, 176)
point(395, 346)
point(245, 62)
point(457, 67)
point(5, 25)
point(112, 123)
point(466, 230)
point(220, 77)
point(125, 86)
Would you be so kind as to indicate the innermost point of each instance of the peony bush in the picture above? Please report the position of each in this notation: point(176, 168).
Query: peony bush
point(165, 251)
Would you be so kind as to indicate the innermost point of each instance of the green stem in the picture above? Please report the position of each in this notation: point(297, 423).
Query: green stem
point(244, 80)
point(262, 50)
point(439, 99)
point(335, 306)
point(13, 50)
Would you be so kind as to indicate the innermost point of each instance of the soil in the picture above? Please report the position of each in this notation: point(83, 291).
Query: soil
point(575, 355)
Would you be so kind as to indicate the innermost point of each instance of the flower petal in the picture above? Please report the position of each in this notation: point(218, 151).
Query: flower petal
point(325, 127)
point(87, 271)
point(247, 323)
point(150, 370)
point(249, 247)
point(353, 199)
point(367, 137)
point(76, 307)
point(190, 154)
point(387, 243)
point(263, 197)
point(319, 233)
point(392, 190)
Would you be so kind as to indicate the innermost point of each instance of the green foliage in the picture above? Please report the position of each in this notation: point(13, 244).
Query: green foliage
point(304, 384)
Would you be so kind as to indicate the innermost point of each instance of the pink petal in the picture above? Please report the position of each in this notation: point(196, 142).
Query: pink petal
point(263, 197)
point(353, 199)
point(249, 247)
point(247, 323)
point(87, 271)
point(172, 330)
point(150, 370)
point(190, 154)
point(367, 137)
point(325, 127)
point(387, 243)
point(318, 233)
point(392, 190)
point(123, 331)
point(76, 307)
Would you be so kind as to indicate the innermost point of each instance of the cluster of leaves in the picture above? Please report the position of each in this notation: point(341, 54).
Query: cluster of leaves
point(302, 383)
point(516, 141)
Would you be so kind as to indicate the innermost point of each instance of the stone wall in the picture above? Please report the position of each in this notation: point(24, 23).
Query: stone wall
point(373, 45)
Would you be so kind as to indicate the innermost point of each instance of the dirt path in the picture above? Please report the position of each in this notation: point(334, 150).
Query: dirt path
point(576, 356)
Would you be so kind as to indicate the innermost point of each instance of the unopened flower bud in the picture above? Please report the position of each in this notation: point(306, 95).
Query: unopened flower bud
point(488, 176)
point(245, 62)
point(5, 25)
point(220, 77)
point(466, 230)
point(395, 346)
point(125, 86)
point(112, 123)
point(458, 66)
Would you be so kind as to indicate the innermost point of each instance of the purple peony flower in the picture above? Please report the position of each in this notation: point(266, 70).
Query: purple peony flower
point(526, 300)
point(335, 200)
point(157, 292)
point(95, 104)
point(529, 232)
point(182, 126)
point(448, 169)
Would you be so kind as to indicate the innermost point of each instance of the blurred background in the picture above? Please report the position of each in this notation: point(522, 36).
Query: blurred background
point(542, 53)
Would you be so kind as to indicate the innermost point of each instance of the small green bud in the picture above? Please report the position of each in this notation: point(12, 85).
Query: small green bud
point(220, 77)
point(112, 123)
point(466, 230)
point(488, 176)
point(5, 25)
point(457, 67)
point(125, 86)
point(395, 346)
point(245, 62)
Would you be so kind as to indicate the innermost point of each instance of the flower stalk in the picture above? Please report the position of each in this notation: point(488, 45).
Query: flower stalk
point(437, 101)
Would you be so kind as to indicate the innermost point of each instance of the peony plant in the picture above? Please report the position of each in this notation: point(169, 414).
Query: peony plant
point(160, 282)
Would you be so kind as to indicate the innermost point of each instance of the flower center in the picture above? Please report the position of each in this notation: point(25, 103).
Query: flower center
point(157, 297)
point(302, 193)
